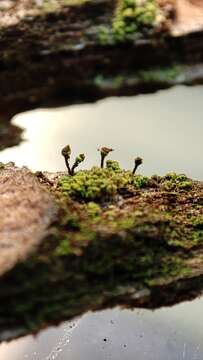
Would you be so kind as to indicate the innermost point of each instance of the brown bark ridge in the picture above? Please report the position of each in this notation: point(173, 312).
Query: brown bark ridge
point(59, 52)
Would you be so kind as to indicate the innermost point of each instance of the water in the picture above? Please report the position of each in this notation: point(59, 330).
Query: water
point(166, 334)
point(166, 130)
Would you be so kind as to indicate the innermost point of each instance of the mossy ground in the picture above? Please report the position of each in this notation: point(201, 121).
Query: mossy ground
point(116, 201)
point(115, 235)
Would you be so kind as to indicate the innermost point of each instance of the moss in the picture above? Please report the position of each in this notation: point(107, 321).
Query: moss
point(132, 19)
point(185, 185)
point(104, 184)
point(113, 165)
point(156, 75)
point(100, 184)
point(167, 74)
point(173, 181)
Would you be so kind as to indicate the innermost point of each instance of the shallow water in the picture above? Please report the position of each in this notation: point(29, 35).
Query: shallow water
point(166, 130)
point(166, 334)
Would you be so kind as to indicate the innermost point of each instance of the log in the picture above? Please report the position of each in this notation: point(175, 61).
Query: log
point(54, 53)
point(93, 240)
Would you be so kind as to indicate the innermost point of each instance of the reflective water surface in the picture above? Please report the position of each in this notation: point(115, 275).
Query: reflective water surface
point(166, 334)
point(166, 130)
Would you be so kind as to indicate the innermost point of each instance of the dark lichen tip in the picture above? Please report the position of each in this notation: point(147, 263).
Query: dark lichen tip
point(138, 162)
point(104, 151)
point(66, 151)
point(80, 158)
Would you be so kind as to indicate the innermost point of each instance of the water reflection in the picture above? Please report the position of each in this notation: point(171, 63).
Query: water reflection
point(165, 129)
point(166, 334)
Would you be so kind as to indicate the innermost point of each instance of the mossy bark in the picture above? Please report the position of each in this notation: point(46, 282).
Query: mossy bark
point(126, 240)
point(62, 54)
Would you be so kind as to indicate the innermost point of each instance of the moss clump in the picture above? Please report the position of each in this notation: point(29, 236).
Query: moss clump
point(103, 184)
point(156, 75)
point(173, 181)
point(132, 19)
point(100, 184)
point(98, 193)
point(164, 75)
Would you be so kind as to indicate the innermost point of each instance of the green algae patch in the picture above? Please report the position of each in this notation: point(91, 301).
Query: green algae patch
point(118, 239)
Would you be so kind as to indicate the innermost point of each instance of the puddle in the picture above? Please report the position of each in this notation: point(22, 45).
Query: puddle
point(169, 333)
point(166, 130)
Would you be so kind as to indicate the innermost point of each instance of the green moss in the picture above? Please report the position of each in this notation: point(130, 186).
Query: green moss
point(103, 184)
point(185, 185)
point(132, 19)
point(100, 184)
point(172, 181)
point(164, 75)
point(113, 165)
